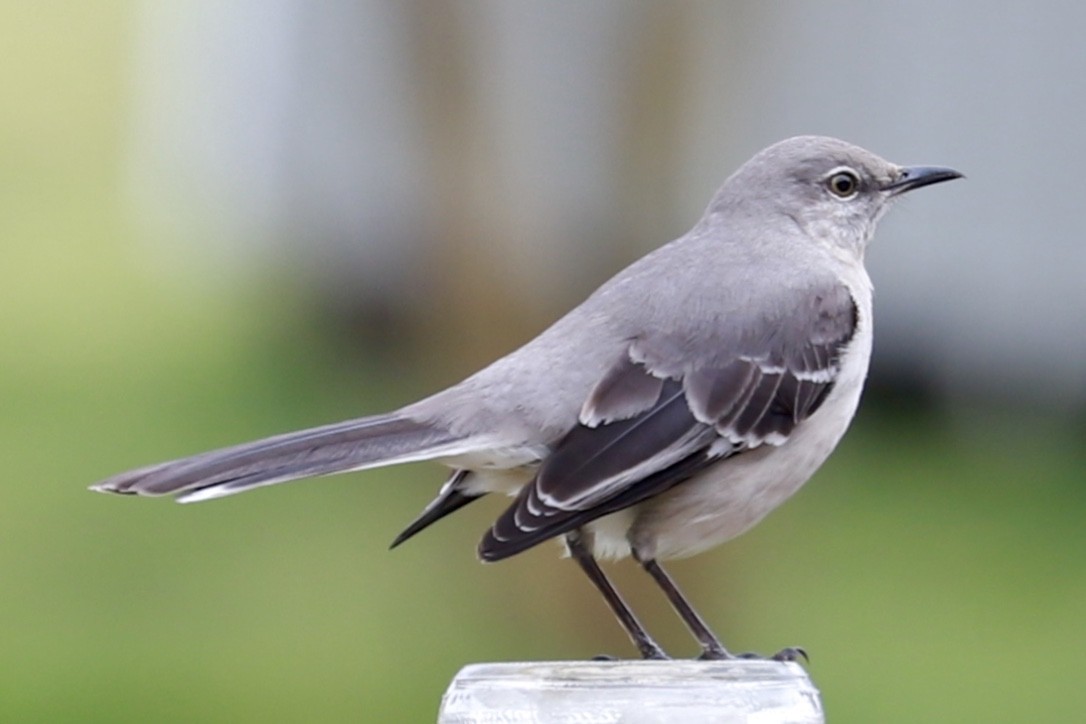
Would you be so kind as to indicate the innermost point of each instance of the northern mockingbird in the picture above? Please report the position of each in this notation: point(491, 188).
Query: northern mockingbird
point(671, 411)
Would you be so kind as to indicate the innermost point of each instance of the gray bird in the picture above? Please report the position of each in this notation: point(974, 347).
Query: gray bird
point(671, 411)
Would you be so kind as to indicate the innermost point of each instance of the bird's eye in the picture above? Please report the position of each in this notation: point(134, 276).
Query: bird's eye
point(843, 184)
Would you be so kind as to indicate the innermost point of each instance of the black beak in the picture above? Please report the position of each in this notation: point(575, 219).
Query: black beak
point(913, 177)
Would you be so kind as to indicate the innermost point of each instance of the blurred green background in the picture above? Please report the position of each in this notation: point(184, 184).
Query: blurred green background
point(935, 568)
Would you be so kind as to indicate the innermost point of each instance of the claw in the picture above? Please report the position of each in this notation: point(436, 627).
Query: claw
point(792, 653)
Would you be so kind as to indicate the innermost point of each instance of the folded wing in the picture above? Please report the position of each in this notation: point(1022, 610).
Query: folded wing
point(650, 424)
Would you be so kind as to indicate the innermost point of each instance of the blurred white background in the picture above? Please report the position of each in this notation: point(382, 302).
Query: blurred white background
point(531, 149)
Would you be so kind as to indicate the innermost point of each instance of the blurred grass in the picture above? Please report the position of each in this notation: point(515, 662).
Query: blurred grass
point(931, 579)
point(934, 568)
point(941, 580)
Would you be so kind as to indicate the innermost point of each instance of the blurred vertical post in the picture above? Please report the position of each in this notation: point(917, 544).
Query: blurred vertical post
point(591, 692)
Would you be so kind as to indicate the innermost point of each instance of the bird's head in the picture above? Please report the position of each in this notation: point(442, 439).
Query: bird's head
point(834, 191)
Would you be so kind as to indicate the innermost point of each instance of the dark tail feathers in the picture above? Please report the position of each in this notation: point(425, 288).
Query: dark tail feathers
point(352, 445)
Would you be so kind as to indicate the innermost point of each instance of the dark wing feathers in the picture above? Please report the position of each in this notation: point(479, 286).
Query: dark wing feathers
point(510, 535)
point(626, 462)
point(609, 451)
point(624, 391)
point(714, 391)
point(644, 429)
point(743, 427)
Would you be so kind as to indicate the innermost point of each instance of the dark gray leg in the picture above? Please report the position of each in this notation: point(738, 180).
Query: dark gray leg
point(649, 649)
point(711, 648)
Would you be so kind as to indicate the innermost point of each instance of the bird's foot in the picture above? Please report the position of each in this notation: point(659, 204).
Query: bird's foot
point(654, 653)
point(716, 653)
point(648, 654)
point(791, 653)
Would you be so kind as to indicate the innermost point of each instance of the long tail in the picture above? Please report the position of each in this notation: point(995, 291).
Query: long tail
point(352, 445)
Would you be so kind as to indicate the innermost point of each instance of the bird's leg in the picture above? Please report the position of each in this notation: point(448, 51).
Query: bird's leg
point(649, 649)
point(711, 648)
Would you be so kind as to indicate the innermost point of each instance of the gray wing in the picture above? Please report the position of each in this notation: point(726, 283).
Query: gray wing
point(676, 402)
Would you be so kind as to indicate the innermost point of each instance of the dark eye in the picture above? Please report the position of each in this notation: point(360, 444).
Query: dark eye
point(843, 184)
